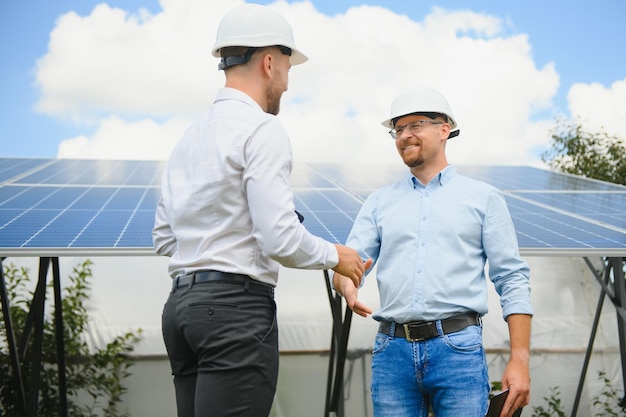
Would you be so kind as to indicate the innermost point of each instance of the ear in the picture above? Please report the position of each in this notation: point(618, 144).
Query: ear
point(445, 131)
point(267, 64)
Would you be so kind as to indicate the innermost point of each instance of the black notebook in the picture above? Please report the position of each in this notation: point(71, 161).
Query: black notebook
point(496, 404)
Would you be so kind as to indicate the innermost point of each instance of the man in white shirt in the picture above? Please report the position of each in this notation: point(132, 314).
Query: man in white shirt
point(227, 220)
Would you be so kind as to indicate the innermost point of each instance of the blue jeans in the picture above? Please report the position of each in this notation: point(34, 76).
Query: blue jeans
point(222, 342)
point(447, 373)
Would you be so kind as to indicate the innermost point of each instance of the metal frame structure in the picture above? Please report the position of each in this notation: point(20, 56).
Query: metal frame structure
point(615, 289)
point(28, 400)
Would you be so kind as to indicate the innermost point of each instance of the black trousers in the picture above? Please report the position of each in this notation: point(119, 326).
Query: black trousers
point(222, 342)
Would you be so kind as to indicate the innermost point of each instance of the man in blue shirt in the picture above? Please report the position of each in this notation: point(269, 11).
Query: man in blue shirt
point(430, 236)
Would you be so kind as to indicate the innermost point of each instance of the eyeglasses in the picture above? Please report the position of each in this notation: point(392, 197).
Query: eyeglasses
point(413, 127)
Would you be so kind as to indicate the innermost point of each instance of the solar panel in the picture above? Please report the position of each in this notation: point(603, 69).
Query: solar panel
point(509, 178)
point(12, 167)
point(78, 207)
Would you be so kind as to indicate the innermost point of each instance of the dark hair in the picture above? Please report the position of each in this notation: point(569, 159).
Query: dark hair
point(237, 55)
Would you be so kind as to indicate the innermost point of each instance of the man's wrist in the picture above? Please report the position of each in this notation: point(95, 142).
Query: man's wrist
point(520, 355)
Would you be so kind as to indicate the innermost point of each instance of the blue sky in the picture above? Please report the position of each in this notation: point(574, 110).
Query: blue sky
point(575, 43)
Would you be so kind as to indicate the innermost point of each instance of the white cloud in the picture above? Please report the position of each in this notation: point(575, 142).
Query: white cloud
point(113, 67)
point(600, 108)
point(116, 138)
point(114, 62)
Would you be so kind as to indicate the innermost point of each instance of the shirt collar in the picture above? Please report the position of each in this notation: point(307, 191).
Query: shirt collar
point(228, 93)
point(445, 176)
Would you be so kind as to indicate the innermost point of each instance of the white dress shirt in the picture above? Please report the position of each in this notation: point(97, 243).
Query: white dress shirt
point(226, 203)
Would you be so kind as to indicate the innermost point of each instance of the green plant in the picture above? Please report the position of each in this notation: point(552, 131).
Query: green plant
point(605, 402)
point(591, 154)
point(94, 379)
point(554, 407)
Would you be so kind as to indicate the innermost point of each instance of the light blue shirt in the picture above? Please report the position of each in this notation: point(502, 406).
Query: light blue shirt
point(431, 243)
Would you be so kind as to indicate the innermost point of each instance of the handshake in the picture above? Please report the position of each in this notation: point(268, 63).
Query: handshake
point(347, 278)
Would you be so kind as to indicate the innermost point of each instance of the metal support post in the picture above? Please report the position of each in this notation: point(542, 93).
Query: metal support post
point(8, 327)
point(338, 352)
point(620, 300)
point(60, 342)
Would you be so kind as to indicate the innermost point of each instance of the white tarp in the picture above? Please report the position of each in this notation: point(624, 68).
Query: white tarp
point(129, 292)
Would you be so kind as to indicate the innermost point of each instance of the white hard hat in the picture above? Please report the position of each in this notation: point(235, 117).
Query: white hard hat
point(421, 100)
point(254, 25)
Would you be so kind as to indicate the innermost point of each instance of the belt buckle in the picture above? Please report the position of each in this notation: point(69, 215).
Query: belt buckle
point(407, 334)
point(409, 337)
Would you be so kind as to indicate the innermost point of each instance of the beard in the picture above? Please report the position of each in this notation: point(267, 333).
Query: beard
point(413, 163)
point(273, 96)
point(415, 159)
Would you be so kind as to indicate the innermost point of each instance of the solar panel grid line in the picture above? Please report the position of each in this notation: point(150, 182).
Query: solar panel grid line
point(526, 178)
point(604, 240)
point(568, 213)
point(53, 185)
point(105, 176)
point(552, 231)
point(592, 233)
point(156, 177)
point(27, 172)
point(130, 219)
point(532, 238)
point(14, 219)
point(336, 183)
point(316, 217)
point(525, 191)
point(93, 218)
point(14, 196)
point(134, 171)
point(71, 172)
point(38, 232)
point(339, 209)
point(48, 171)
point(599, 183)
point(588, 203)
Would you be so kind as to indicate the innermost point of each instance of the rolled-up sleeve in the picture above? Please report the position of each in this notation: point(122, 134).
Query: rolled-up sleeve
point(509, 273)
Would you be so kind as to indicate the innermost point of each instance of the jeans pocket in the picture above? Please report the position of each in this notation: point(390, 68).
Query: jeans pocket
point(380, 343)
point(467, 340)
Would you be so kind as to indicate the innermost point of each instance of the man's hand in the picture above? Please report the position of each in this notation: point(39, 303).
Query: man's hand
point(345, 286)
point(350, 264)
point(516, 377)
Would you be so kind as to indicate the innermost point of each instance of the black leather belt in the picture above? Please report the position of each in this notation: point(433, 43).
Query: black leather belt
point(422, 330)
point(218, 276)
